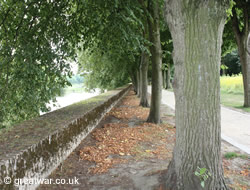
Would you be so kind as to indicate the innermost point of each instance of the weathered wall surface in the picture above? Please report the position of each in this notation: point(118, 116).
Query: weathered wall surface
point(35, 148)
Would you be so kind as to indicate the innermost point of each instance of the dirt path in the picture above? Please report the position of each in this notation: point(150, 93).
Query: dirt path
point(124, 152)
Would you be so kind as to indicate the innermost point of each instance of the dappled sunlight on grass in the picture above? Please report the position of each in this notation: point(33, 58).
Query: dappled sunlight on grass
point(232, 84)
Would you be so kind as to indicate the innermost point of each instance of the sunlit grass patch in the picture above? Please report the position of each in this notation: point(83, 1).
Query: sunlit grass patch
point(231, 155)
point(233, 84)
point(232, 93)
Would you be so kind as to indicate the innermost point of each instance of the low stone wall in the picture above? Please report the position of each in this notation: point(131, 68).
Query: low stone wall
point(33, 149)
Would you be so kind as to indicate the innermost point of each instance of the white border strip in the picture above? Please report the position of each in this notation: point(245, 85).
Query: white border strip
point(234, 143)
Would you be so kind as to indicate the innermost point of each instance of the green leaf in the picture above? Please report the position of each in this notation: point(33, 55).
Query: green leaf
point(203, 170)
point(202, 184)
point(197, 173)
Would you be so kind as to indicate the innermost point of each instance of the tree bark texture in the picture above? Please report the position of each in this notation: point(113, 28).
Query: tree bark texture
point(138, 83)
point(134, 82)
point(196, 27)
point(144, 80)
point(154, 35)
point(242, 40)
point(168, 86)
point(164, 79)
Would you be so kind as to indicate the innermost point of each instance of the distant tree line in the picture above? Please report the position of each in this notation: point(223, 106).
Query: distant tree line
point(76, 79)
point(231, 64)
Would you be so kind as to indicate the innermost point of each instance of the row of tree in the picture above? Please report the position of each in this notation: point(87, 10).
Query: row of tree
point(237, 35)
point(115, 40)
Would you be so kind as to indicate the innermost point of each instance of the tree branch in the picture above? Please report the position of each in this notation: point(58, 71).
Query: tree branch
point(5, 17)
point(246, 19)
point(141, 2)
point(21, 22)
point(235, 25)
point(5, 88)
point(7, 13)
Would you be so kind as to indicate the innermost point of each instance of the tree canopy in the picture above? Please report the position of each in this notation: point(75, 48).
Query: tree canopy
point(37, 38)
point(35, 41)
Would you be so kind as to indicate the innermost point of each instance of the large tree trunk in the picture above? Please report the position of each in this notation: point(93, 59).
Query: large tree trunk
point(245, 65)
point(168, 86)
point(242, 39)
point(163, 79)
point(134, 82)
point(196, 27)
point(154, 35)
point(138, 83)
point(144, 80)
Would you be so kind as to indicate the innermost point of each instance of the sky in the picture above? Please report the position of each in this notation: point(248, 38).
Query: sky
point(74, 67)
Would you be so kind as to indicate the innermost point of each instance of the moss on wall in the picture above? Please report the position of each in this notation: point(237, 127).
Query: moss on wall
point(34, 148)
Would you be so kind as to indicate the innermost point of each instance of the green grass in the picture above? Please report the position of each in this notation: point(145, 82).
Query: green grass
point(232, 92)
point(232, 84)
point(233, 100)
point(231, 155)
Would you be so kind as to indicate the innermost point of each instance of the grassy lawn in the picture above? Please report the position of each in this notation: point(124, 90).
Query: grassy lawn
point(232, 92)
point(233, 100)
